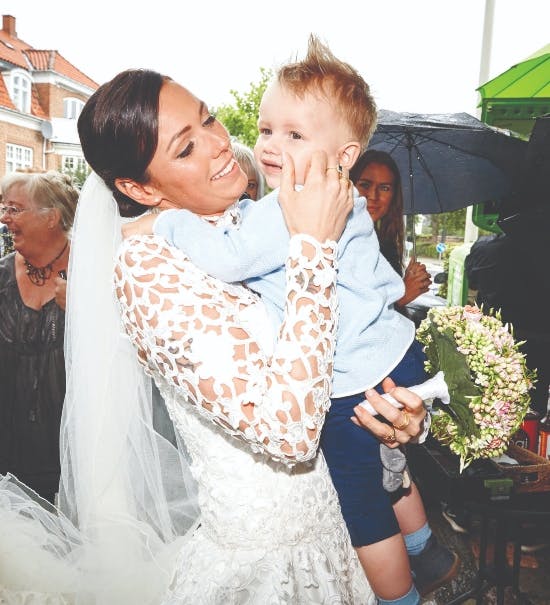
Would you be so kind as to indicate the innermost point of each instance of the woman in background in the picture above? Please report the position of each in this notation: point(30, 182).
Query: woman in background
point(377, 178)
point(245, 157)
point(38, 209)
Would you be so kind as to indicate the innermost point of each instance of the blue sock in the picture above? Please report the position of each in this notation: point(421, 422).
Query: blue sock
point(411, 598)
point(416, 542)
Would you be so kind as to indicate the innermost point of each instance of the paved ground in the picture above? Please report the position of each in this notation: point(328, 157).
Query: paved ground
point(534, 574)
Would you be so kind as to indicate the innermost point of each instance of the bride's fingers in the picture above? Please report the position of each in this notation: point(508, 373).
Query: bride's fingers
point(385, 433)
point(402, 424)
point(288, 177)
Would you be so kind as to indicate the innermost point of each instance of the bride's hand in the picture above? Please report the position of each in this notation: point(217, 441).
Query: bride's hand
point(321, 208)
point(405, 424)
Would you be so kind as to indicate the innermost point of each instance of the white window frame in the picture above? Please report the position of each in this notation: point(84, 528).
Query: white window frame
point(72, 107)
point(18, 157)
point(20, 89)
point(73, 163)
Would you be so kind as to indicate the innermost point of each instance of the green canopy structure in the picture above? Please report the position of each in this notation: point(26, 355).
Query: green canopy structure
point(517, 96)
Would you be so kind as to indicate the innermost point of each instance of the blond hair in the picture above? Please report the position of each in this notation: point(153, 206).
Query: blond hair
point(47, 190)
point(341, 84)
point(245, 158)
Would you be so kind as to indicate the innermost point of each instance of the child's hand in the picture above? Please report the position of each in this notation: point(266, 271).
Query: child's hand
point(141, 226)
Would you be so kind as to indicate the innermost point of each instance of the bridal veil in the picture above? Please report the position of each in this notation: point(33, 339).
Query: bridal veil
point(126, 497)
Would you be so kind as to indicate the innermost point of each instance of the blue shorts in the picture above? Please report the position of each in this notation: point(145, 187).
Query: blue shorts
point(353, 458)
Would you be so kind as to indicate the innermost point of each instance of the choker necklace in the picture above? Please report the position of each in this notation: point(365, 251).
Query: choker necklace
point(39, 275)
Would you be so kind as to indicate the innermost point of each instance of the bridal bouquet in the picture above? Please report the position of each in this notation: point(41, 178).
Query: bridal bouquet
point(485, 392)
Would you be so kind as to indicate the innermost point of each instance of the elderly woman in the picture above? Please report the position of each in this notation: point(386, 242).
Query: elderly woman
point(245, 157)
point(38, 209)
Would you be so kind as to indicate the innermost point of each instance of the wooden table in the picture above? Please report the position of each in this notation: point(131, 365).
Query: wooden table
point(505, 516)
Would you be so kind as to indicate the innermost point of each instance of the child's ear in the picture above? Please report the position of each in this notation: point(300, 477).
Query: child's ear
point(348, 154)
point(142, 194)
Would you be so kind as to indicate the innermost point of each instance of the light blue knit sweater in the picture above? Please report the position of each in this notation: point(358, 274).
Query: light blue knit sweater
point(372, 336)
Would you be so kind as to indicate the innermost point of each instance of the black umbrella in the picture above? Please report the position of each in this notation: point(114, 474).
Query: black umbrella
point(448, 161)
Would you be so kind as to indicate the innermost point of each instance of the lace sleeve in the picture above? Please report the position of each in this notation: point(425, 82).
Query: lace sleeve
point(189, 327)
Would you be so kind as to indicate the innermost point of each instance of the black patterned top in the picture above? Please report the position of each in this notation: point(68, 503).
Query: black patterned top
point(32, 385)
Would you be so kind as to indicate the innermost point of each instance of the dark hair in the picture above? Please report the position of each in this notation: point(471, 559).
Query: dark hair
point(118, 130)
point(389, 229)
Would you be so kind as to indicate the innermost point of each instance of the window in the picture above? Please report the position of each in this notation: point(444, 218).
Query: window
point(20, 90)
point(72, 164)
point(72, 108)
point(17, 157)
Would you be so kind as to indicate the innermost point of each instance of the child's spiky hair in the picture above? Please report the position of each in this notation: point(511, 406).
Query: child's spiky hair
point(338, 81)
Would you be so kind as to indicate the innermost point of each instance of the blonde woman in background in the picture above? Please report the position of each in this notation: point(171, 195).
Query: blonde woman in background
point(245, 157)
point(38, 210)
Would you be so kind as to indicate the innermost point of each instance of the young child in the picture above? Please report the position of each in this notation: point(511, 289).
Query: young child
point(323, 103)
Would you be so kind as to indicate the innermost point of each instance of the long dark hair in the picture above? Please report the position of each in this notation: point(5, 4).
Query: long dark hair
point(118, 130)
point(390, 228)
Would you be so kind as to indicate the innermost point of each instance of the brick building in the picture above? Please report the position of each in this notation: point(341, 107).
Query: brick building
point(41, 95)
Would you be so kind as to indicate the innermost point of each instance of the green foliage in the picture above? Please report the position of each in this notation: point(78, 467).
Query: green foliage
point(426, 246)
point(442, 353)
point(7, 243)
point(443, 290)
point(241, 118)
point(78, 176)
point(450, 223)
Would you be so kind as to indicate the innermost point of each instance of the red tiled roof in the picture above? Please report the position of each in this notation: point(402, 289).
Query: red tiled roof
point(36, 108)
point(5, 99)
point(43, 60)
point(19, 53)
point(11, 50)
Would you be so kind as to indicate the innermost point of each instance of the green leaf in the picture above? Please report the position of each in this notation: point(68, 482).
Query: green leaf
point(444, 355)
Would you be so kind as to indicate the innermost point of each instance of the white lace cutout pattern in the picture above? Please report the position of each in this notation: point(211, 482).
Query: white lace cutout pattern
point(187, 326)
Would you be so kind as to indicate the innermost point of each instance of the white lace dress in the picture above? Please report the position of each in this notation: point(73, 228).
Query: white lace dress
point(271, 531)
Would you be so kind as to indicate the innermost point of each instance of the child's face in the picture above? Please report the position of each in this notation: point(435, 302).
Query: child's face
point(297, 126)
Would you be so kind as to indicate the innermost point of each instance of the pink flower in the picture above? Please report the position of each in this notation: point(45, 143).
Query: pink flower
point(496, 443)
point(472, 312)
point(502, 407)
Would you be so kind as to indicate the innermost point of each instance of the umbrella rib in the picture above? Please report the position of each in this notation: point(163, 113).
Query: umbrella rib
point(422, 162)
point(398, 140)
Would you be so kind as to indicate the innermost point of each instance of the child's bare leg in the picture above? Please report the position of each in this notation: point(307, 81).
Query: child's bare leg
point(386, 565)
point(410, 511)
point(433, 563)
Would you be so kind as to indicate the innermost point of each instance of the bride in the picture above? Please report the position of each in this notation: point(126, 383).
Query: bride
point(248, 413)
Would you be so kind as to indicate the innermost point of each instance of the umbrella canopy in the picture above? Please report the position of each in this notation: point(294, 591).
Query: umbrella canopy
point(448, 161)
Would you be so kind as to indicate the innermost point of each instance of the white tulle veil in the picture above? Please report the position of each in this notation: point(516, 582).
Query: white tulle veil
point(126, 498)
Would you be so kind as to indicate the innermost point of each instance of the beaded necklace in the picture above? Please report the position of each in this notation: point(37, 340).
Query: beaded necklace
point(40, 275)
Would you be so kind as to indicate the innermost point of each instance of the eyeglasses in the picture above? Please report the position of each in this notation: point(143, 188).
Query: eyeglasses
point(11, 210)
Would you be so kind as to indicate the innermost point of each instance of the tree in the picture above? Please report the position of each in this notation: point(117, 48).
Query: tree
point(78, 175)
point(448, 223)
point(241, 119)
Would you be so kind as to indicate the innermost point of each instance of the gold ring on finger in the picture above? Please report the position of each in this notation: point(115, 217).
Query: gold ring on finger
point(337, 168)
point(404, 424)
point(390, 437)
